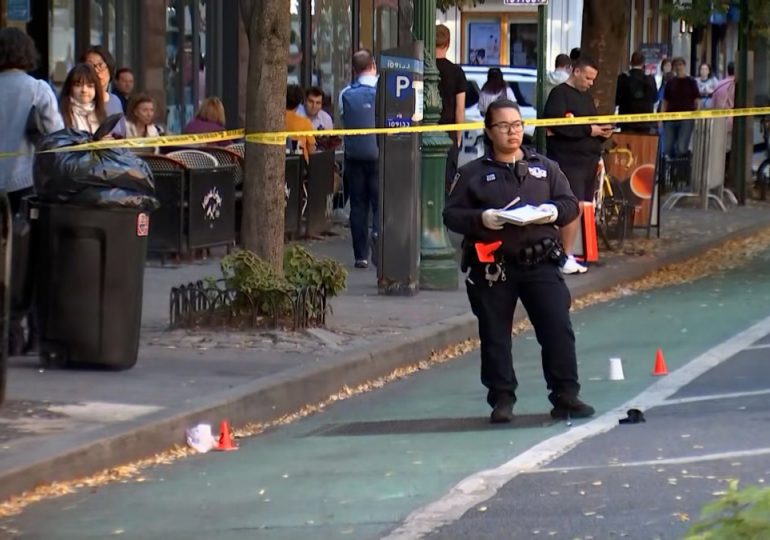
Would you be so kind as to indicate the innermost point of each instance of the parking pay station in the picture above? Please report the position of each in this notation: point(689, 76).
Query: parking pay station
point(399, 104)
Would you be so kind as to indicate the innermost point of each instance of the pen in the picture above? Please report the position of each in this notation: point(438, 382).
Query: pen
point(514, 201)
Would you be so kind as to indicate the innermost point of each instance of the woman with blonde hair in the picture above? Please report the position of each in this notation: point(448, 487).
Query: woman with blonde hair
point(210, 117)
point(82, 101)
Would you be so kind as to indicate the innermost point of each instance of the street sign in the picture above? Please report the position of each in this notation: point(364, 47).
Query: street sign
point(525, 2)
point(18, 10)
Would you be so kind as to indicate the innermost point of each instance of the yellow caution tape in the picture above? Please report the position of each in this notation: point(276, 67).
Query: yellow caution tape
point(278, 138)
point(146, 142)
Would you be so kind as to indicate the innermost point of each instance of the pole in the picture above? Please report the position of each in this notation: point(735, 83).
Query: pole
point(738, 152)
point(542, 47)
point(438, 267)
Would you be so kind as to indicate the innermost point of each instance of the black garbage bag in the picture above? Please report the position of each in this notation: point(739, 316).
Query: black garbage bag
point(113, 177)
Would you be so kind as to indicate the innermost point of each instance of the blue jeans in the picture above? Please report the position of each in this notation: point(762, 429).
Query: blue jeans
point(363, 180)
point(676, 137)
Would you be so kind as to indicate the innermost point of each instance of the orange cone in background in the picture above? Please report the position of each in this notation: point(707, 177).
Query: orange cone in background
point(660, 364)
point(225, 438)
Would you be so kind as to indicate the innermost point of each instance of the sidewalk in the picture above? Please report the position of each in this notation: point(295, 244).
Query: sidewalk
point(59, 425)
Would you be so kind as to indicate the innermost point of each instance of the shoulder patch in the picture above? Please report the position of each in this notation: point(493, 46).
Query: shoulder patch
point(538, 172)
point(491, 177)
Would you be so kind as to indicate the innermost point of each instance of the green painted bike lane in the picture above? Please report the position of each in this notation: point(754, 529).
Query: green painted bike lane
point(299, 481)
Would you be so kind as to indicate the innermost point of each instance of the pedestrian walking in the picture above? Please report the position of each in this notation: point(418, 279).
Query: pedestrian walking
point(523, 263)
point(577, 149)
point(707, 82)
point(636, 93)
point(28, 110)
point(560, 74)
point(357, 105)
point(681, 94)
point(494, 88)
point(452, 86)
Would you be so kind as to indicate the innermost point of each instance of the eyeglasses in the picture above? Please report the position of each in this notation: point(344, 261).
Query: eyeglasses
point(101, 66)
point(507, 127)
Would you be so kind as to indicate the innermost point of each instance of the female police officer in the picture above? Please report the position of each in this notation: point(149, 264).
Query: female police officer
point(523, 263)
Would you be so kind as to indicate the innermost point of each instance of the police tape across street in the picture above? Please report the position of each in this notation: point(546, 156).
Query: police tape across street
point(278, 138)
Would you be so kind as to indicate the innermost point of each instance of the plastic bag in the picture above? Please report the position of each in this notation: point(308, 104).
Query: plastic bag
point(200, 438)
point(95, 197)
point(92, 177)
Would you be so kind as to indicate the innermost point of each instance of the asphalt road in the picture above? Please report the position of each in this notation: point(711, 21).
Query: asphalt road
point(418, 457)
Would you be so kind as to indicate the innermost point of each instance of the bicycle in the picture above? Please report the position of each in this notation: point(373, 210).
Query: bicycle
point(762, 181)
point(610, 205)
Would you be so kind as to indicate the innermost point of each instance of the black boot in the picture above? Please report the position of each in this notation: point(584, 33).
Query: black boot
point(569, 406)
point(502, 410)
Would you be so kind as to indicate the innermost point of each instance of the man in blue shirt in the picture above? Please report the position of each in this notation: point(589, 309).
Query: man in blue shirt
point(357, 104)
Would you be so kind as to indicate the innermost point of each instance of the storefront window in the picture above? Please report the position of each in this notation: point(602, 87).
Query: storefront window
point(483, 42)
point(295, 43)
point(523, 45)
point(332, 37)
point(62, 53)
point(378, 24)
point(185, 61)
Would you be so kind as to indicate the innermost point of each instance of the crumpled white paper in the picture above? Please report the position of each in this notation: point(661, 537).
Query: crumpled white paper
point(200, 438)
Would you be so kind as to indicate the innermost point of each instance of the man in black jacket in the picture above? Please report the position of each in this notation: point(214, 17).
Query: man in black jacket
point(508, 262)
point(577, 149)
point(636, 93)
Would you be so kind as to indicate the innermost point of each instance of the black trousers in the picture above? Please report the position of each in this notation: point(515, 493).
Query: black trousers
point(547, 300)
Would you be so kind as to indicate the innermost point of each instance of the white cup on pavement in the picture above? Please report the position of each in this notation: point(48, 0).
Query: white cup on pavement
point(616, 369)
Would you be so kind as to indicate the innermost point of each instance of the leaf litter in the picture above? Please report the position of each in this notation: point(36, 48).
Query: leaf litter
point(726, 256)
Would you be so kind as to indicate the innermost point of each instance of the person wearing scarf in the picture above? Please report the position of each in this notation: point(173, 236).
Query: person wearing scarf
point(81, 105)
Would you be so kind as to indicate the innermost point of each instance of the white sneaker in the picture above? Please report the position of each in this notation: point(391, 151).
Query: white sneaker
point(573, 267)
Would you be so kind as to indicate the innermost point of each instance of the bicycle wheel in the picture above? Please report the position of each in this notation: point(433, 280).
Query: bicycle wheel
point(612, 216)
point(763, 178)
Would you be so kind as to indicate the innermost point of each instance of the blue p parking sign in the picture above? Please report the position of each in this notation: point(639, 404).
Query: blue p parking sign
point(400, 84)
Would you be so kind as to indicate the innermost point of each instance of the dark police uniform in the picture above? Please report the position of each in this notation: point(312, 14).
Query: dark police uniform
point(528, 262)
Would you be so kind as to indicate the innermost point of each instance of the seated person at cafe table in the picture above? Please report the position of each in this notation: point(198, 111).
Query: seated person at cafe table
point(297, 122)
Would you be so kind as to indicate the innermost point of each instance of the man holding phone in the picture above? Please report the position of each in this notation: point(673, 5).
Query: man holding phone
point(577, 149)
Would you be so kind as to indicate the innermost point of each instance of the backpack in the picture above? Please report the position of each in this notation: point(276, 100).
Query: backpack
point(640, 100)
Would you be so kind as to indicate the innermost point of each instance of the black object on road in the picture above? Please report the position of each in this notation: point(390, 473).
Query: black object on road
point(634, 416)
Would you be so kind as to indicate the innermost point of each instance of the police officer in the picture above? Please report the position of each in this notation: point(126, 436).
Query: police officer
point(506, 262)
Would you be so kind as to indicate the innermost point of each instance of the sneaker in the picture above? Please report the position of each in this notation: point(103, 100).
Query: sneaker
point(565, 406)
point(362, 264)
point(502, 413)
point(573, 267)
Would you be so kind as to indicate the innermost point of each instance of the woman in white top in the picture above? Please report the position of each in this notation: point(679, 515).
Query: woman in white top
point(495, 88)
point(706, 83)
point(81, 105)
point(140, 117)
point(140, 120)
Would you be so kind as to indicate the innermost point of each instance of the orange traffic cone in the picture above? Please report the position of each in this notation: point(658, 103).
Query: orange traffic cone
point(660, 364)
point(225, 438)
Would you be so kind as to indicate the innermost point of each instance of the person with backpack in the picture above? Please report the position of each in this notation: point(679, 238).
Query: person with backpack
point(636, 93)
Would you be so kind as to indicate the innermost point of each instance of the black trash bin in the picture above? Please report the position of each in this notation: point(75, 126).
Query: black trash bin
point(90, 276)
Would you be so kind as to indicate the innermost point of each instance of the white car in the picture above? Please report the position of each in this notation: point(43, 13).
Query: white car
point(522, 81)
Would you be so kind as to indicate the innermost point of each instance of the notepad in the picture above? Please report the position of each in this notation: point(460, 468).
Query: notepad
point(523, 215)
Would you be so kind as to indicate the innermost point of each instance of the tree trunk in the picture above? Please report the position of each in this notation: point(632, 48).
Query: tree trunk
point(267, 24)
point(605, 39)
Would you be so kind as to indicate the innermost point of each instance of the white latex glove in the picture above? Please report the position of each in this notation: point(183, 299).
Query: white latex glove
point(553, 213)
point(492, 220)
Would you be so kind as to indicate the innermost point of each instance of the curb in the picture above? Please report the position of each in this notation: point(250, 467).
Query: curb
point(78, 455)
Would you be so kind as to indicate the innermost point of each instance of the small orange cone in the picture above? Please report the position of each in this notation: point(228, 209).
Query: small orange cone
point(660, 364)
point(225, 438)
